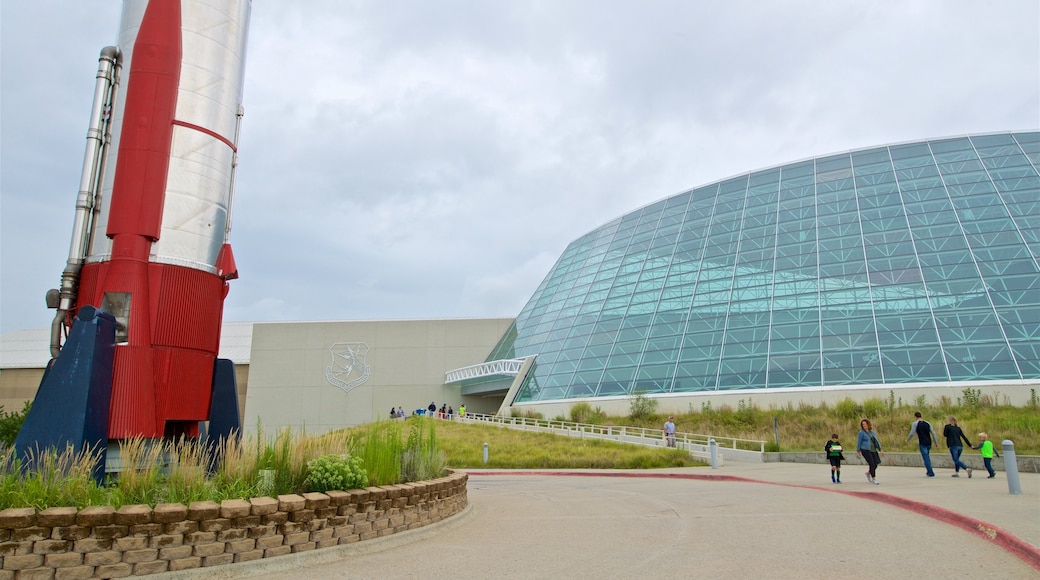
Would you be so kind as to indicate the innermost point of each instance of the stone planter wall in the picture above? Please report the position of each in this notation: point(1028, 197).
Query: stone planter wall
point(104, 542)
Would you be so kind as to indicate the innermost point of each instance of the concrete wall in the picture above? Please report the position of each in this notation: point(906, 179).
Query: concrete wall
point(321, 376)
point(18, 386)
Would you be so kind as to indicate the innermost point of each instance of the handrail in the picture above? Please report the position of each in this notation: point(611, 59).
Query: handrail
point(627, 434)
point(507, 367)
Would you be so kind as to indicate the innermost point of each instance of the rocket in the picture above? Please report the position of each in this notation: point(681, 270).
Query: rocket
point(136, 334)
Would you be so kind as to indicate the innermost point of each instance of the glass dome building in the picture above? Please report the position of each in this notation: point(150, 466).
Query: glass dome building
point(904, 264)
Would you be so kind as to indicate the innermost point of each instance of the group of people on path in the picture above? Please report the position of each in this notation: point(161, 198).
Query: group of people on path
point(444, 412)
point(868, 446)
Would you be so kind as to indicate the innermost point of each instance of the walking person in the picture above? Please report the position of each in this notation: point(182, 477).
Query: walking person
point(669, 432)
point(987, 452)
point(868, 447)
point(926, 438)
point(833, 450)
point(954, 435)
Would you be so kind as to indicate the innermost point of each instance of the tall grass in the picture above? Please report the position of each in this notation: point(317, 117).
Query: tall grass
point(807, 427)
point(422, 459)
point(48, 478)
point(143, 463)
point(381, 450)
point(185, 470)
point(188, 482)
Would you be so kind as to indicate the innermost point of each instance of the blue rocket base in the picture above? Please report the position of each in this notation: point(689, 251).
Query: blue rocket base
point(72, 404)
point(224, 420)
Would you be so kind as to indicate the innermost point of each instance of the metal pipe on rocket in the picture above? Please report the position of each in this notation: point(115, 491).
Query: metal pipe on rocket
point(150, 255)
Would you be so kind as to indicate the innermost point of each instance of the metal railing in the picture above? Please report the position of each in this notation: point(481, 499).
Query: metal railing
point(506, 367)
point(697, 444)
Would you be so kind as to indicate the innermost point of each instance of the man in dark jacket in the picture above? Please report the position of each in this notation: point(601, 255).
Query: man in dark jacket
point(926, 437)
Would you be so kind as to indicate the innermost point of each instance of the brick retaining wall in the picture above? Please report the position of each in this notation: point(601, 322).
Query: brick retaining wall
point(66, 543)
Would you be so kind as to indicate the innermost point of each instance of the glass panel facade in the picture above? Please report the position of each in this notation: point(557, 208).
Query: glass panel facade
point(915, 262)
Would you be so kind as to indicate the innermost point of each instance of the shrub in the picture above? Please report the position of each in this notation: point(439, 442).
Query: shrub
point(336, 472)
point(11, 423)
point(580, 411)
point(847, 409)
point(874, 407)
point(642, 406)
point(747, 412)
point(585, 413)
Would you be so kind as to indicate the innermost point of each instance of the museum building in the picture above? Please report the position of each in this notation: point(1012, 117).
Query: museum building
point(905, 265)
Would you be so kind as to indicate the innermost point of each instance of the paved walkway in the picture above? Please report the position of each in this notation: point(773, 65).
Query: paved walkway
point(778, 520)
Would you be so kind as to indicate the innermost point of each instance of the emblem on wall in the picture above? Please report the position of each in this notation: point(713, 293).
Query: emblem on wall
point(348, 368)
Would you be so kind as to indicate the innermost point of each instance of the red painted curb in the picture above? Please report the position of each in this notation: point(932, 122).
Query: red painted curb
point(1009, 542)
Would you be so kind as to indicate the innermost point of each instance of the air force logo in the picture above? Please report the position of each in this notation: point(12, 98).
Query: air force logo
point(348, 369)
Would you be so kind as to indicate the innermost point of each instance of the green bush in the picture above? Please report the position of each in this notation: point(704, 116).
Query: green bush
point(585, 413)
point(336, 472)
point(972, 397)
point(642, 406)
point(11, 423)
point(874, 407)
point(847, 409)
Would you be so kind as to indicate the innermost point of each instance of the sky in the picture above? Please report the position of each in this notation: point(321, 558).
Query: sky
point(411, 159)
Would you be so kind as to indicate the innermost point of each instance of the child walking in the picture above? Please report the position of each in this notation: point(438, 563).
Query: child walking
point(833, 450)
point(987, 452)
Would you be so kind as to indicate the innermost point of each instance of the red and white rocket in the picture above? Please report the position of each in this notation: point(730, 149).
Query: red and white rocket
point(150, 241)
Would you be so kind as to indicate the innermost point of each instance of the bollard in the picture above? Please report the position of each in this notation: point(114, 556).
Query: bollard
point(713, 446)
point(485, 453)
point(1011, 467)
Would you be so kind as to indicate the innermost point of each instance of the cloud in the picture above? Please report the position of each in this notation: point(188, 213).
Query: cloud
point(433, 160)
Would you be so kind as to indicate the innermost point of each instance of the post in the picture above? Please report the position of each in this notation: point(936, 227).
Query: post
point(776, 432)
point(713, 446)
point(1011, 467)
point(485, 453)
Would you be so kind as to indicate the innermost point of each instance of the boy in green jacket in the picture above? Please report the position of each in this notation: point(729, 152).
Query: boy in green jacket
point(834, 456)
point(987, 452)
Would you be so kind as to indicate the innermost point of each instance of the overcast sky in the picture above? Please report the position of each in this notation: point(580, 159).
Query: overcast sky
point(406, 159)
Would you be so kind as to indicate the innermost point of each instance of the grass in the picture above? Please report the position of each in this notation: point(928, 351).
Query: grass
point(182, 471)
point(808, 427)
point(463, 446)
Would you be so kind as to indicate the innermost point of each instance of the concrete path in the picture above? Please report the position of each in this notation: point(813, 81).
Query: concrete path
point(777, 520)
